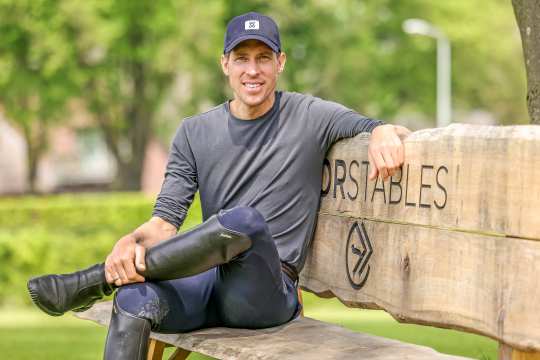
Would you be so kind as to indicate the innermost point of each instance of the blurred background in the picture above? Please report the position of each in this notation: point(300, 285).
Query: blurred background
point(92, 91)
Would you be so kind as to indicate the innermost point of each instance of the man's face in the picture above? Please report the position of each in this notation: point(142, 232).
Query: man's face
point(253, 69)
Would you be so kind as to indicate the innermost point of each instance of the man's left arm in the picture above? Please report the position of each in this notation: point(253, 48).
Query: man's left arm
point(335, 121)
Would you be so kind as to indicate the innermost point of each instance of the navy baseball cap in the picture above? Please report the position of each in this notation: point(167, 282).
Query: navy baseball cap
point(252, 26)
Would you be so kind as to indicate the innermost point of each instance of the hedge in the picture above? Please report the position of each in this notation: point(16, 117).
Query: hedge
point(61, 233)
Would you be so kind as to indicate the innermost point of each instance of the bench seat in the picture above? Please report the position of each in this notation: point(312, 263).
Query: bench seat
point(303, 338)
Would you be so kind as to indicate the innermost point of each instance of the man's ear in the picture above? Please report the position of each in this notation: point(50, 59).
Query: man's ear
point(282, 59)
point(225, 64)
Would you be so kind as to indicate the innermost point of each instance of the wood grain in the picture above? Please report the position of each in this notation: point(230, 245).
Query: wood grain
point(454, 235)
point(155, 350)
point(507, 353)
point(478, 283)
point(302, 338)
point(470, 178)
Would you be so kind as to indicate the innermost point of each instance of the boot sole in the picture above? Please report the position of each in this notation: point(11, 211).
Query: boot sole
point(35, 299)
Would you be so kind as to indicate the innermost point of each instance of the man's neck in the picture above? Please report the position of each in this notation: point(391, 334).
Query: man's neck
point(245, 112)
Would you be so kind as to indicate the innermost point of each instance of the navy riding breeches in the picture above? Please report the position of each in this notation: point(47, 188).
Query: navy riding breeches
point(250, 291)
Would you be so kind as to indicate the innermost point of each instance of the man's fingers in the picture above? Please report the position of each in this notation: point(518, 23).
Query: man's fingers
point(122, 276)
point(131, 272)
point(108, 277)
point(373, 172)
point(380, 163)
point(400, 152)
point(140, 253)
point(389, 162)
point(110, 272)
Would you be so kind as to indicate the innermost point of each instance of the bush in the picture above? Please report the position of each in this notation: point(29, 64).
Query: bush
point(55, 234)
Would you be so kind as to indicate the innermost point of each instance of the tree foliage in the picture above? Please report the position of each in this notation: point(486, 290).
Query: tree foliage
point(130, 64)
point(37, 70)
point(141, 66)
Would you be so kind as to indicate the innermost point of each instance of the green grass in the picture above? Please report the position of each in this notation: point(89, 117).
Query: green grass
point(30, 334)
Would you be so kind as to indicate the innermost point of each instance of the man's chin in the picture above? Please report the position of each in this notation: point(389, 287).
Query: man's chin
point(253, 100)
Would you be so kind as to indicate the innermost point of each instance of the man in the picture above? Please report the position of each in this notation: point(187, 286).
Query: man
point(257, 163)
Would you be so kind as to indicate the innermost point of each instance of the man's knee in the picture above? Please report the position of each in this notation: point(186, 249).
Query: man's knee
point(142, 300)
point(244, 219)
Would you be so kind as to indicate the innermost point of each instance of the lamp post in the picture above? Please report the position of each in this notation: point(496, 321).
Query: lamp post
point(444, 94)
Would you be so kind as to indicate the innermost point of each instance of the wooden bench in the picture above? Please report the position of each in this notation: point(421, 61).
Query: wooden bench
point(303, 338)
point(453, 240)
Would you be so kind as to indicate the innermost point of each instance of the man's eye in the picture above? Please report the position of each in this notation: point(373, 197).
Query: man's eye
point(241, 59)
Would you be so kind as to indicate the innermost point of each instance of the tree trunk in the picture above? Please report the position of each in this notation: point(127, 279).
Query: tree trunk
point(138, 115)
point(129, 176)
point(32, 161)
point(528, 18)
point(138, 126)
point(35, 135)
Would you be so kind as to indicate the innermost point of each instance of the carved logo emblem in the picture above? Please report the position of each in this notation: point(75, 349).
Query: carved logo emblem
point(358, 252)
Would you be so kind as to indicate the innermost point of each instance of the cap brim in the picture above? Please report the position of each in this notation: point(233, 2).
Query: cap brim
point(267, 41)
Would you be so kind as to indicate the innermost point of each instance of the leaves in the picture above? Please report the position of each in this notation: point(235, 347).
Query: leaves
point(141, 66)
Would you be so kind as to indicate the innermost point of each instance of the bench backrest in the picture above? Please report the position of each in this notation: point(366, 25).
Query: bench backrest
point(453, 240)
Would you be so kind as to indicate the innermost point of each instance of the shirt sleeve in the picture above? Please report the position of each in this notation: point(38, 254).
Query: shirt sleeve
point(180, 183)
point(334, 121)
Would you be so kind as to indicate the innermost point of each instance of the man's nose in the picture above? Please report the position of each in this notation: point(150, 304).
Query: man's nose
point(253, 68)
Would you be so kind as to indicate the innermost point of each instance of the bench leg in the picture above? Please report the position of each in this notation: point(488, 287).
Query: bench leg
point(155, 350)
point(179, 354)
point(507, 353)
point(301, 301)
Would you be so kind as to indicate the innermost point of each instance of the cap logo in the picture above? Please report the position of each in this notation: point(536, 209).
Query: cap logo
point(251, 25)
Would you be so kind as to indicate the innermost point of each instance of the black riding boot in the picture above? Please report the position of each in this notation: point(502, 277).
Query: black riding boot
point(78, 291)
point(128, 336)
point(195, 251)
point(189, 253)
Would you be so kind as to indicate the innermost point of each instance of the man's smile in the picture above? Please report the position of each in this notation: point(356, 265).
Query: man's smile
point(252, 86)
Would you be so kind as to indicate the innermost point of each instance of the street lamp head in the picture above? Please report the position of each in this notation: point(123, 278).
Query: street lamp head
point(421, 27)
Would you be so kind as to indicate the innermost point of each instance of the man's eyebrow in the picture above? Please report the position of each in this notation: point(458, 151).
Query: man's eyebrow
point(239, 53)
point(244, 52)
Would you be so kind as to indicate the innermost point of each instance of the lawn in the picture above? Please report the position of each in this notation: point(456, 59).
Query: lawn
point(29, 334)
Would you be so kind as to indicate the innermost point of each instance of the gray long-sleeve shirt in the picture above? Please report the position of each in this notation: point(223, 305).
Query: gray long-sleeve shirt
point(272, 163)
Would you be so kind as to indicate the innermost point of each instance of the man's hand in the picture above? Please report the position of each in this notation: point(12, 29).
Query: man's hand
point(128, 254)
point(386, 151)
point(126, 257)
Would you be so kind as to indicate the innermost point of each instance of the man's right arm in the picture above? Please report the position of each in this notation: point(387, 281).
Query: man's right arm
point(170, 210)
point(127, 255)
